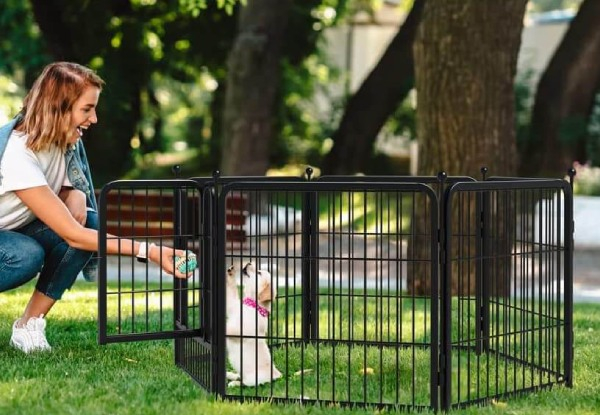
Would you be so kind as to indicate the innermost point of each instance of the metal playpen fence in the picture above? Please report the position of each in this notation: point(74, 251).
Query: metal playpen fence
point(401, 292)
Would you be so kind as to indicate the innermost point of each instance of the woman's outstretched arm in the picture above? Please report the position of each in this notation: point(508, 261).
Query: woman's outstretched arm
point(48, 208)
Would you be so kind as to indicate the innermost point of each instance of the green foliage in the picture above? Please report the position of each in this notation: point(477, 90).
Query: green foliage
point(523, 106)
point(165, 67)
point(549, 5)
point(593, 131)
point(572, 130)
point(10, 98)
point(403, 121)
point(303, 122)
point(22, 48)
point(587, 179)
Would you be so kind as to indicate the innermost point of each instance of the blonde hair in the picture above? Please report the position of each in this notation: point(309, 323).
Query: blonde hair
point(47, 107)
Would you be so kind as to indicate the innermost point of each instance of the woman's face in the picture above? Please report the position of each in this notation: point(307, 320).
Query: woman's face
point(83, 113)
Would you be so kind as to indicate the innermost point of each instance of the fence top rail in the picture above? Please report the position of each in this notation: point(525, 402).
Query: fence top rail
point(395, 179)
point(516, 178)
point(147, 184)
point(328, 186)
point(513, 184)
point(229, 179)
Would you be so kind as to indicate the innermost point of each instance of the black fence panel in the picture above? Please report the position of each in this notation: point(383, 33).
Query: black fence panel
point(408, 293)
point(139, 301)
point(507, 293)
point(342, 327)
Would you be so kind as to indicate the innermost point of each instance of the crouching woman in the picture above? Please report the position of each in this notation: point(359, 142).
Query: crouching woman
point(48, 217)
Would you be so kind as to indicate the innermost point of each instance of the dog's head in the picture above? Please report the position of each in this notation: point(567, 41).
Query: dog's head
point(231, 271)
point(257, 284)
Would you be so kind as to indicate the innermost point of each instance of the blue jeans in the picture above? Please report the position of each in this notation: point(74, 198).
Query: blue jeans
point(36, 248)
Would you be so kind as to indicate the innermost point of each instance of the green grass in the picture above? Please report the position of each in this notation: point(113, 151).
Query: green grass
point(81, 377)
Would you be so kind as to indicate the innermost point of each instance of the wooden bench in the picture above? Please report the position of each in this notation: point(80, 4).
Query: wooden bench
point(142, 213)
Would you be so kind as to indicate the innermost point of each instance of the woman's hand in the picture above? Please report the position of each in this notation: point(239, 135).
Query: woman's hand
point(75, 201)
point(163, 256)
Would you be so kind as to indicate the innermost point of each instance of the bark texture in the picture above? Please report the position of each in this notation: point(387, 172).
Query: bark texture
point(376, 99)
point(253, 80)
point(565, 97)
point(465, 64)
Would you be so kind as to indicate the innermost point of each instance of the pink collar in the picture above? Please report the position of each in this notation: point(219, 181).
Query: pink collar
point(251, 303)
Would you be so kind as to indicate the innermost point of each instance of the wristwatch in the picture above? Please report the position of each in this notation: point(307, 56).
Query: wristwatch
point(142, 255)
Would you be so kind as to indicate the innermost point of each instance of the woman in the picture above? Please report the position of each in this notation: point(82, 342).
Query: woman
point(47, 207)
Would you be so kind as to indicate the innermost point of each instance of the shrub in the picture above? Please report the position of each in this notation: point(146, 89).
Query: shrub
point(587, 179)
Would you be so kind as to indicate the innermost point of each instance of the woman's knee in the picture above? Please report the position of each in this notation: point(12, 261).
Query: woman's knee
point(92, 221)
point(21, 259)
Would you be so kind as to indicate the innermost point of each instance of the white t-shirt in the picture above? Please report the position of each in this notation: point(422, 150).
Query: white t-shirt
point(21, 169)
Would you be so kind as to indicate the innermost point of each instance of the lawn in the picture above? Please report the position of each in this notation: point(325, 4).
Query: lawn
point(81, 377)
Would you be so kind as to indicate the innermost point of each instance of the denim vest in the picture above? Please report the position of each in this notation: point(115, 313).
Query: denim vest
point(78, 172)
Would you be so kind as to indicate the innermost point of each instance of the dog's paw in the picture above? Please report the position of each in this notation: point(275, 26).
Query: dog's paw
point(234, 383)
point(249, 268)
point(232, 376)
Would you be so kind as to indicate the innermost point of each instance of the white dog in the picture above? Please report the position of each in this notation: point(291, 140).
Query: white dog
point(246, 330)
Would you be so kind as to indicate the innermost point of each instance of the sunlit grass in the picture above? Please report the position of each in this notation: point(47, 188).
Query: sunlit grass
point(81, 377)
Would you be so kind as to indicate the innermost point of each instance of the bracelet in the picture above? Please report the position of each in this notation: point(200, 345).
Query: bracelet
point(144, 251)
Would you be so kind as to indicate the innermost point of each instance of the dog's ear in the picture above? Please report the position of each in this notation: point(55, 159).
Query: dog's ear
point(265, 293)
point(231, 271)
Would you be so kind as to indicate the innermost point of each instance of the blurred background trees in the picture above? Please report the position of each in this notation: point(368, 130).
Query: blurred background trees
point(210, 84)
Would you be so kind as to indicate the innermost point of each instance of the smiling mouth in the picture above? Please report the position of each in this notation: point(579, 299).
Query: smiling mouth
point(80, 129)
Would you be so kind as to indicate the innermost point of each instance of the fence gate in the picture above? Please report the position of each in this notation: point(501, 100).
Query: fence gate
point(138, 301)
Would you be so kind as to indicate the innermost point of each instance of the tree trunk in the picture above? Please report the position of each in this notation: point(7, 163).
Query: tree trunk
point(48, 15)
point(465, 64)
point(254, 73)
point(376, 99)
point(565, 97)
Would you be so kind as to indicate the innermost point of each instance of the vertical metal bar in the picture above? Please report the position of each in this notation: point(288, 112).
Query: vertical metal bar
point(446, 333)
point(483, 275)
point(435, 243)
point(309, 230)
point(365, 292)
point(102, 277)
point(569, 228)
point(207, 219)
point(179, 242)
point(314, 266)
point(218, 296)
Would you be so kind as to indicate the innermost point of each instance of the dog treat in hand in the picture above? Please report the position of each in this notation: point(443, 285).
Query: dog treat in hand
point(186, 263)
